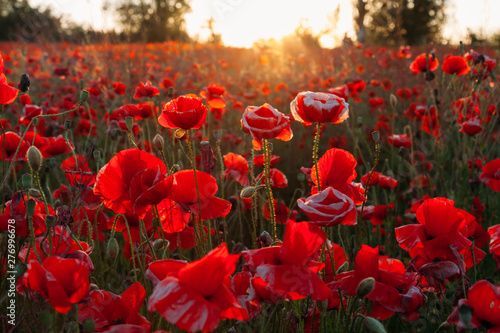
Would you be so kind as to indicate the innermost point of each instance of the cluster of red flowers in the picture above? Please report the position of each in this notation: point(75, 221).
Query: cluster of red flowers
point(172, 223)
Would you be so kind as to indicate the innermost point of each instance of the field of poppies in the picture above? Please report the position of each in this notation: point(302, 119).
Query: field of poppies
point(174, 187)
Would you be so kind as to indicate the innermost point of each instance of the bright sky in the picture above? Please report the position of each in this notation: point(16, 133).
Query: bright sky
point(241, 22)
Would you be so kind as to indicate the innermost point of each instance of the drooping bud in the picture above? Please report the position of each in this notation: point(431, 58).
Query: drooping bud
point(393, 100)
point(365, 287)
point(93, 286)
point(112, 250)
point(158, 142)
point(34, 158)
point(247, 192)
point(24, 83)
point(158, 244)
point(342, 268)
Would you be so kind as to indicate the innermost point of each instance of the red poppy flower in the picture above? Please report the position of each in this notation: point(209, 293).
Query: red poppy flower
point(236, 168)
point(400, 140)
point(391, 284)
point(213, 94)
point(329, 208)
point(309, 107)
point(337, 169)
point(184, 112)
point(16, 209)
point(108, 309)
point(132, 181)
point(441, 227)
point(341, 91)
point(456, 65)
point(483, 65)
point(494, 233)
point(145, 90)
point(491, 175)
point(55, 146)
point(29, 112)
point(259, 161)
point(422, 65)
point(124, 111)
point(265, 122)
point(78, 171)
point(483, 300)
point(119, 88)
point(10, 141)
point(334, 259)
point(471, 127)
point(187, 196)
point(278, 178)
point(63, 245)
point(62, 282)
point(8, 94)
point(194, 296)
point(290, 270)
point(375, 214)
point(281, 211)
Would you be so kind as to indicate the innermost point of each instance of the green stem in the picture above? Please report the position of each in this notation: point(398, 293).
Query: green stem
point(267, 162)
point(315, 154)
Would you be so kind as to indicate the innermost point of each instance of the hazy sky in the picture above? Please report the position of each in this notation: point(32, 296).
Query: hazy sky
point(241, 22)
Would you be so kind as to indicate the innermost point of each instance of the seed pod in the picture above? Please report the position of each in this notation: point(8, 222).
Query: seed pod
point(376, 136)
point(30, 207)
point(84, 95)
point(393, 100)
point(129, 121)
point(50, 220)
point(34, 158)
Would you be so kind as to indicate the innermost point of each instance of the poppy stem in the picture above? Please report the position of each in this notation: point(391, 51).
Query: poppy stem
point(193, 164)
point(221, 165)
point(33, 242)
point(315, 154)
point(267, 162)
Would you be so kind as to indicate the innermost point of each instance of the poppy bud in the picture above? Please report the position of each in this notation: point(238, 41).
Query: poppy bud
point(158, 142)
point(88, 325)
point(373, 325)
point(30, 207)
point(45, 319)
point(365, 287)
point(20, 269)
point(247, 192)
point(34, 158)
point(24, 83)
point(393, 100)
point(376, 136)
point(93, 286)
point(112, 250)
point(33, 192)
point(342, 267)
point(50, 220)
point(301, 177)
point(129, 121)
point(84, 95)
point(26, 180)
point(158, 244)
point(97, 154)
point(265, 239)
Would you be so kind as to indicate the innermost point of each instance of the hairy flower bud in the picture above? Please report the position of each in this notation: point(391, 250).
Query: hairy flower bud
point(365, 287)
point(158, 142)
point(34, 158)
point(112, 250)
